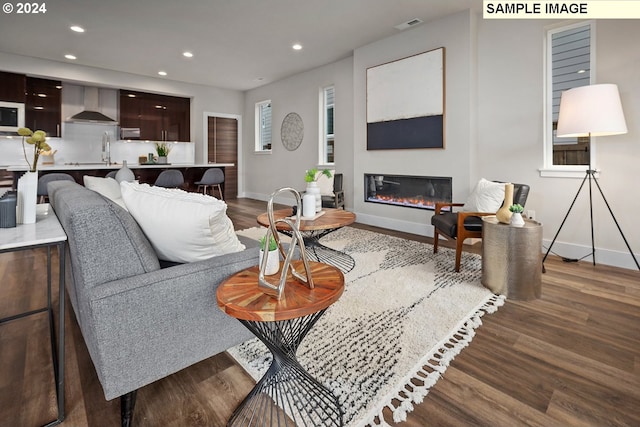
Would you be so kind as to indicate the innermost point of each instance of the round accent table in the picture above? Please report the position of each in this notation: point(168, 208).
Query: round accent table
point(286, 392)
point(512, 258)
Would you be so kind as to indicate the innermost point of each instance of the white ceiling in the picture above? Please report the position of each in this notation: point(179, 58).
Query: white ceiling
point(237, 44)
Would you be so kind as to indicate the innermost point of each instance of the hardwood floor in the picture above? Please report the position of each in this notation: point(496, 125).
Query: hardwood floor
point(571, 358)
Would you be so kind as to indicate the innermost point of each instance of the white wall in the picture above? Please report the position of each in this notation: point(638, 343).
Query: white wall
point(494, 128)
point(510, 134)
point(454, 33)
point(265, 173)
point(204, 98)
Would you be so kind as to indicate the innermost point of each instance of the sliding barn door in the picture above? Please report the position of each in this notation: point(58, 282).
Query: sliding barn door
point(222, 141)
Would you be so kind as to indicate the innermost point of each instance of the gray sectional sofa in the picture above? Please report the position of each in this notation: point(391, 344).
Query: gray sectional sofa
point(139, 321)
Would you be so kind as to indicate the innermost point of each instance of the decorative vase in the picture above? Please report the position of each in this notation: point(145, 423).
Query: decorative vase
point(312, 188)
point(516, 219)
point(308, 205)
point(162, 160)
point(27, 198)
point(504, 214)
point(125, 174)
point(273, 261)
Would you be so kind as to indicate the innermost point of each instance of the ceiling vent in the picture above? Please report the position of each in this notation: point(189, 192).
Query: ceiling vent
point(409, 24)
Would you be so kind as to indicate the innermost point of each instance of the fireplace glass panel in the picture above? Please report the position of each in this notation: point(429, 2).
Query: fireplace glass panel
point(421, 192)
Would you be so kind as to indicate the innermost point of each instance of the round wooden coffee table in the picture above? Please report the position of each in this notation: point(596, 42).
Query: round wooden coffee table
point(286, 392)
point(314, 229)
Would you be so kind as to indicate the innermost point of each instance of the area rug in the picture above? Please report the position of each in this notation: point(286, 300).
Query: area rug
point(403, 317)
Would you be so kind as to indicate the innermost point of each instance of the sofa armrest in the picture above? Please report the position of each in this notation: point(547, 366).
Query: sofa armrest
point(146, 327)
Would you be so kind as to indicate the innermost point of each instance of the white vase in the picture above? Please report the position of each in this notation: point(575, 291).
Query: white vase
point(125, 174)
point(273, 261)
point(27, 198)
point(312, 188)
point(308, 205)
point(516, 219)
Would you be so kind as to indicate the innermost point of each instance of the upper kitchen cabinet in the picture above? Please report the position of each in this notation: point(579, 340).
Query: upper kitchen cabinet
point(43, 105)
point(158, 117)
point(12, 87)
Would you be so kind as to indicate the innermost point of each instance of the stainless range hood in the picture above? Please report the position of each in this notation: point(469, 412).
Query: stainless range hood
point(91, 112)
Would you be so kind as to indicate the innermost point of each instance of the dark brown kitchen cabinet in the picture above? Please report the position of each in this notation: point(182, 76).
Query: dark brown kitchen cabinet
point(12, 87)
point(43, 105)
point(159, 117)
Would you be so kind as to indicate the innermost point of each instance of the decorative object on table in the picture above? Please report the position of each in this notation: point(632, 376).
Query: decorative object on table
point(504, 213)
point(311, 177)
point(308, 205)
point(516, 215)
point(274, 289)
point(292, 131)
point(163, 149)
point(588, 111)
point(28, 183)
point(125, 174)
point(8, 203)
point(421, 323)
point(272, 254)
point(142, 160)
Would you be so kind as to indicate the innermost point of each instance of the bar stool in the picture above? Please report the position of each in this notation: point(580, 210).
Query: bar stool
point(43, 194)
point(212, 177)
point(171, 178)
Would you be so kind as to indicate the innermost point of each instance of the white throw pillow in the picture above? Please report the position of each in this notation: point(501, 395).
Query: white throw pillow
point(487, 196)
point(108, 187)
point(181, 226)
point(325, 184)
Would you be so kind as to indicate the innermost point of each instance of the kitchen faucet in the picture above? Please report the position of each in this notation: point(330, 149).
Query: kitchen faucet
point(106, 148)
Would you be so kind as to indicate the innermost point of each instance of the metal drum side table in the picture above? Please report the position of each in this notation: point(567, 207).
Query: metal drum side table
point(512, 258)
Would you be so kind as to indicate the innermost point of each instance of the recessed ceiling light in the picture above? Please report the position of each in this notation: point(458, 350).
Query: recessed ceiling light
point(42, 95)
point(38, 107)
point(162, 73)
point(131, 95)
point(77, 29)
point(68, 56)
point(582, 71)
point(297, 46)
point(187, 54)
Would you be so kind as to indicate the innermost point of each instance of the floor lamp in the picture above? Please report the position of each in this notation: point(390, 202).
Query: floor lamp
point(591, 111)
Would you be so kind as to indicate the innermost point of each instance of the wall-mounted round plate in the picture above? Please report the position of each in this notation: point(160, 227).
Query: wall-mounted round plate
point(292, 131)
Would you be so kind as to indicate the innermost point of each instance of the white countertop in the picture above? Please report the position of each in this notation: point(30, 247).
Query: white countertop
point(92, 166)
point(45, 230)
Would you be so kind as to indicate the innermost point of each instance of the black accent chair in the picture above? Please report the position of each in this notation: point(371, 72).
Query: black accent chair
point(465, 225)
point(337, 200)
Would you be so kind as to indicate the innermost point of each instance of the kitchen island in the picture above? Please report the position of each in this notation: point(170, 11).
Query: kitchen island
point(145, 173)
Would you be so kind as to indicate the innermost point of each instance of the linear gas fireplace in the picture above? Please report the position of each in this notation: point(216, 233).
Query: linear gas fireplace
point(420, 192)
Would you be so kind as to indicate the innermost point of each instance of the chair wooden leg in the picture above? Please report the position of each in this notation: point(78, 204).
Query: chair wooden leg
point(127, 404)
point(459, 243)
point(219, 191)
point(435, 241)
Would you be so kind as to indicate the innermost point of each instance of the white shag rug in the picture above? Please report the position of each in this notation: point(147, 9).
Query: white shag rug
point(403, 317)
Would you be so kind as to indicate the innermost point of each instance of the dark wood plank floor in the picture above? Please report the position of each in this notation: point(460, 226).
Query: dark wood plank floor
point(571, 358)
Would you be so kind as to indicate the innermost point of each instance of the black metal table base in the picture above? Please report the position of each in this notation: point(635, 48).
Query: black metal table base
point(321, 253)
point(287, 395)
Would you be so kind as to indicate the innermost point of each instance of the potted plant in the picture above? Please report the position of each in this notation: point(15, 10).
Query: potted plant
point(163, 149)
point(311, 177)
point(516, 217)
point(273, 257)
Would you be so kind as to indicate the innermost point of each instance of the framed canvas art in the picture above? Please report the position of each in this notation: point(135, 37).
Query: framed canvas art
point(405, 103)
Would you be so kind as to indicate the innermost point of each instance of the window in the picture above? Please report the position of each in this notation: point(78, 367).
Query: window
point(263, 126)
point(570, 63)
point(327, 143)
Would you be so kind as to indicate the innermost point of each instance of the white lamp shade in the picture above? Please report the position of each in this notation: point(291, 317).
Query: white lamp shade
point(591, 110)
